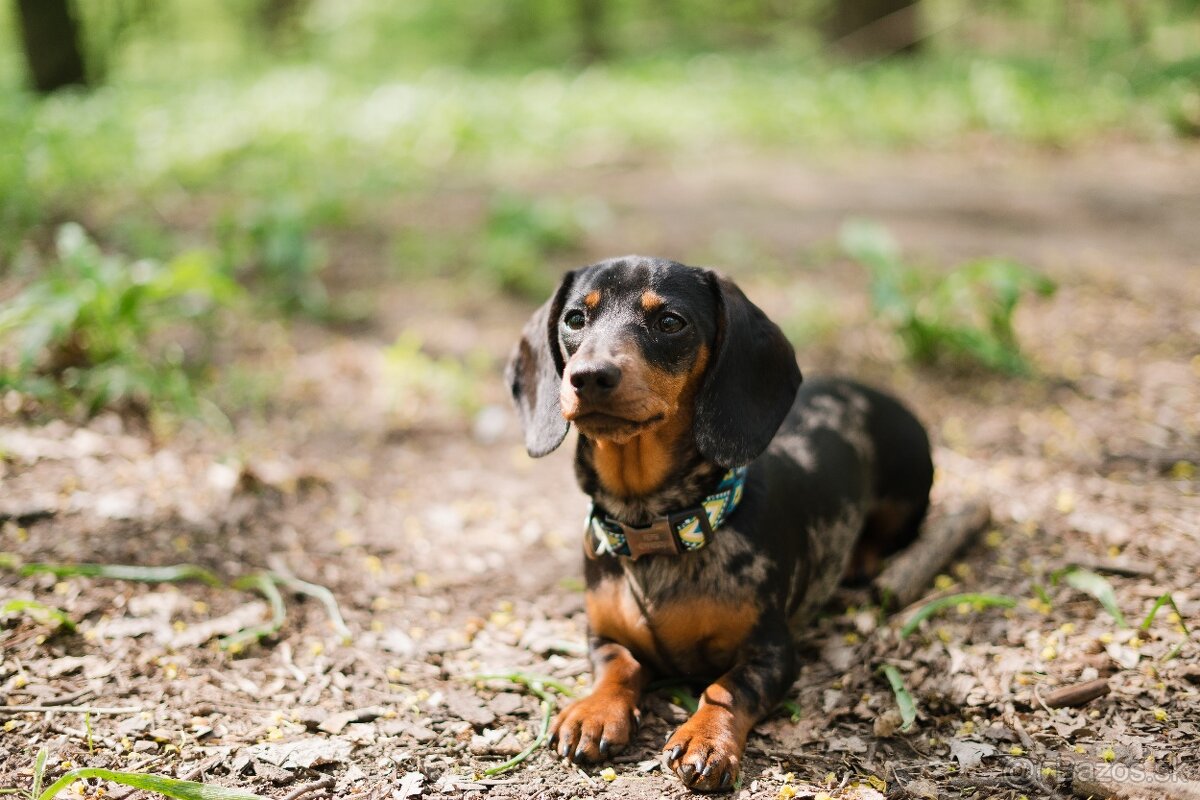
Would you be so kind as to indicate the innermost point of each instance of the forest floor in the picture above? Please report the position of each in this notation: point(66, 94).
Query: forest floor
point(404, 490)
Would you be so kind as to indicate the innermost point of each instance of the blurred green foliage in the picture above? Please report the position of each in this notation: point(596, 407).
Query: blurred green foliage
point(273, 247)
point(96, 330)
point(425, 386)
point(361, 99)
point(522, 234)
point(964, 316)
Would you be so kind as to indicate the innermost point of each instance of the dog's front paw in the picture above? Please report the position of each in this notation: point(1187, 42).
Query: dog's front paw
point(706, 752)
point(596, 727)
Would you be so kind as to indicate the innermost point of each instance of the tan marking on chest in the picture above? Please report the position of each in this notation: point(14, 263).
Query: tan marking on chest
point(695, 634)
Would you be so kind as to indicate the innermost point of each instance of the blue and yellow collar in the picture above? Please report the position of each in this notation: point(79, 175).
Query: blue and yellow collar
point(680, 532)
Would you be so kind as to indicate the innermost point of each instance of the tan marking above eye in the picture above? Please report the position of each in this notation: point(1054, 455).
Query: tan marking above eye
point(593, 298)
point(651, 300)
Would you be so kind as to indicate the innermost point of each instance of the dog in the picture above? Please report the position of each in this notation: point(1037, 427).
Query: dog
point(728, 500)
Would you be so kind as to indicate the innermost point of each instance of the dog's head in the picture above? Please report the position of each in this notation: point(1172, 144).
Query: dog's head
point(627, 345)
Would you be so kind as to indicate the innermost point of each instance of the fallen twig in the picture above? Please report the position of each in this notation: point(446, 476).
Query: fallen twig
point(1077, 694)
point(321, 783)
point(1118, 782)
point(98, 710)
point(905, 578)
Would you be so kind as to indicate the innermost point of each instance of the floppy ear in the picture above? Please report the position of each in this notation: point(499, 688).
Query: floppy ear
point(534, 373)
point(750, 384)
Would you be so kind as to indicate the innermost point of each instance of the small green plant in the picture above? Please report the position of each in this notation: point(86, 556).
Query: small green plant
point(99, 330)
point(265, 582)
point(53, 618)
point(521, 235)
point(975, 602)
point(966, 315)
point(147, 782)
point(904, 699)
point(273, 249)
point(1096, 585)
point(544, 689)
point(422, 382)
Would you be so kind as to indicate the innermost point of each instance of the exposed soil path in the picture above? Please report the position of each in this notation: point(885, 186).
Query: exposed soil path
point(453, 555)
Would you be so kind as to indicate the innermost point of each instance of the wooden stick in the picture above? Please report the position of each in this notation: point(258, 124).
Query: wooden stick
point(1119, 782)
point(904, 579)
point(44, 709)
point(1077, 694)
point(321, 783)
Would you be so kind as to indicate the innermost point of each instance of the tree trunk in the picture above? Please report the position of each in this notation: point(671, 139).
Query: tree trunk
point(50, 36)
point(593, 45)
point(875, 28)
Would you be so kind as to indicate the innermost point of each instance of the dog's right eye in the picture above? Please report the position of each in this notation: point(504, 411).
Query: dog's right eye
point(574, 320)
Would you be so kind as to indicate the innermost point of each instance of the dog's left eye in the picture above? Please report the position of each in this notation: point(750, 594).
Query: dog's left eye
point(671, 323)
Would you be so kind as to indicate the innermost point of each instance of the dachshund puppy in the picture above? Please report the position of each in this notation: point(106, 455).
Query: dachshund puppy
point(727, 501)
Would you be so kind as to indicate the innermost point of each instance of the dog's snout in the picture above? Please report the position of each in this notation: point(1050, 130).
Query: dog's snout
point(595, 378)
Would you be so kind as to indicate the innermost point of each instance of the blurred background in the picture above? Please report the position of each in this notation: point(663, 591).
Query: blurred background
point(329, 162)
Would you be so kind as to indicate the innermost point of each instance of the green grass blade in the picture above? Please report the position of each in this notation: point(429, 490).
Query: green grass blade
point(539, 740)
point(978, 601)
point(46, 615)
point(321, 594)
point(264, 583)
point(904, 700)
point(171, 787)
point(1087, 581)
point(1164, 600)
point(535, 683)
point(39, 770)
point(126, 572)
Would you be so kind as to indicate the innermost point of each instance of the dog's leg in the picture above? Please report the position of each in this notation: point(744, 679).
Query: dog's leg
point(706, 751)
point(601, 724)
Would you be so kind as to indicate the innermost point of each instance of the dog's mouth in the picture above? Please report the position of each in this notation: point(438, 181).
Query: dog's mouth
point(601, 424)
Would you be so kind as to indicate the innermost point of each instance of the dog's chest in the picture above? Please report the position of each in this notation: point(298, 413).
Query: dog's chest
point(688, 614)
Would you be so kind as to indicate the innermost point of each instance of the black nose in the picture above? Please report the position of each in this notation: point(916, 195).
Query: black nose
point(595, 378)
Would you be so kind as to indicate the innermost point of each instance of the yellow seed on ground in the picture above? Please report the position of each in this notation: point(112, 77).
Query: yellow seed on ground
point(1108, 754)
point(1160, 714)
point(609, 774)
point(1016, 750)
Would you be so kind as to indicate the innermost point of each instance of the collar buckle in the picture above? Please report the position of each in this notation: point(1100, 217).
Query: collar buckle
point(657, 538)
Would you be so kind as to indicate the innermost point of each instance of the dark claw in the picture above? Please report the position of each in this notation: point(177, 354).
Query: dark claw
point(727, 780)
point(708, 768)
point(604, 745)
point(675, 751)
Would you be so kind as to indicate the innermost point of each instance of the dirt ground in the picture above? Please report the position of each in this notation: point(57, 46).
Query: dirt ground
point(452, 555)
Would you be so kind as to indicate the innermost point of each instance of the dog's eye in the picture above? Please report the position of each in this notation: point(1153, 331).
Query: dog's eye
point(574, 320)
point(671, 323)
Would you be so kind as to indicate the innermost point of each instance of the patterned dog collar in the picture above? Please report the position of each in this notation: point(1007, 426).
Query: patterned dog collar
point(679, 532)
